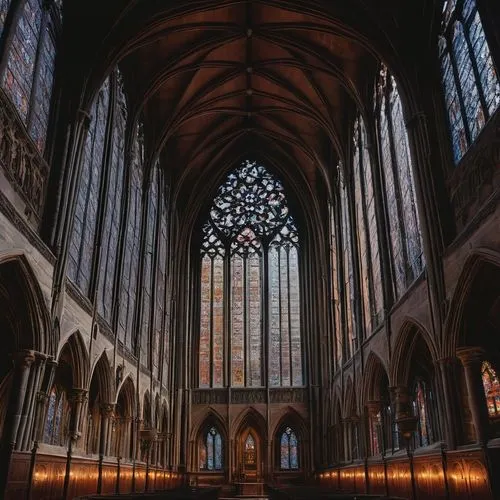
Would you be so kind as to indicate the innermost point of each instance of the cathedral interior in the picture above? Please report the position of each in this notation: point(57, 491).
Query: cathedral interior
point(250, 246)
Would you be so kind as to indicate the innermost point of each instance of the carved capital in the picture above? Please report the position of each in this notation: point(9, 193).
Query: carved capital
point(78, 395)
point(107, 409)
point(470, 356)
point(23, 359)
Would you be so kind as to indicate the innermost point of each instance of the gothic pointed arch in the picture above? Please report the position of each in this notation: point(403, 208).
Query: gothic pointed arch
point(74, 352)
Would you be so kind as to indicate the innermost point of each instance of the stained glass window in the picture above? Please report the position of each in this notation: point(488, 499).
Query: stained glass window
point(112, 216)
point(211, 451)
point(367, 231)
point(398, 185)
point(422, 410)
point(348, 287)
point(289, 456)
point(491, 389)
point(148, 260)
point(81, 250)
point(29, 75)
point(470, 81)
point(251, 238)
point(335, 289)
point(4, 9)
point(56, 418)
point(128, 283)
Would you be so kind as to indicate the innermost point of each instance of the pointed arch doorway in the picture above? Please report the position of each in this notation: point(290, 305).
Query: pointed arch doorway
point(249, 456)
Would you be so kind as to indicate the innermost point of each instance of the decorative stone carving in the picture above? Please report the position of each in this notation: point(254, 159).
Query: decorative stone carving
point(288, 395)
point(209, 396)
point(21, 161)
point(248, 396)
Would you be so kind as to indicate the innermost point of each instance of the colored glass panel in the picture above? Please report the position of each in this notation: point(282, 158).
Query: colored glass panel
point(254, 361)
point(294, 455)
point(285, 324)
point(18, 79)
point(81, 250)
point(41, 111)
point(285, 452)
point(51, 412)
point(206, 321)
point(210, 451)
point(237, 321)
point(218, 452)
point(335, 286)
point(491, 386)
point(218, 323)
point(275, 321)
point(4, 9)
point(131, 237)
point(294, 297)
point(111, 228)
point(161, 328)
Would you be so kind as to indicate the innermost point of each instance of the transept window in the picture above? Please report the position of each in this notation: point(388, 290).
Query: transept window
point(367, 231)
point(491, 389)
point(29, 76)
point(398, 185)
point(471, 84)
point(289, 454)
point(211, 457)
point(250, 245)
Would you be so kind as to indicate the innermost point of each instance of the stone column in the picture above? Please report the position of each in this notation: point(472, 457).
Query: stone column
point(472, 359)
point(451, 423)
point(22, 363)
point(106, 412)
point(78, 399)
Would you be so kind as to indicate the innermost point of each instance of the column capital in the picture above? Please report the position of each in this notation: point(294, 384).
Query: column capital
point(373, 407)
point(446, 361)
point(470, 356)
point(78, 395)
point(23, 359)
point(107, 409)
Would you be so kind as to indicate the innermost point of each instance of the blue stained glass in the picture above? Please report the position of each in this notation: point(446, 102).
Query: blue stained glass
point(210, 451)
point(294, 456)
point(4, 9)
point(285, 451)
point(470, 94)
point(56, 432)
point(218, 451)
point(49, 422)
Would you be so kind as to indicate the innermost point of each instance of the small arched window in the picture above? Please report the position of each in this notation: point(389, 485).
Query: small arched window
point(491, 389)
point(57, 418)
point(470, 80)
point(211, 458)
point(289, 450)
point(422, 407)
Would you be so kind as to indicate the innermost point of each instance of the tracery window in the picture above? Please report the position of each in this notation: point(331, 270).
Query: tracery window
point(422, 407)
point(28, 79)
point(132, 235)
point(211, 457)
point(470, 80)
point(289, 450)
point(57, 419)
point(348, 276)
point(250, 240)
point(81, 250)
point(398, 185)
point(112, 216)
point(366, 230)
point(491, 386)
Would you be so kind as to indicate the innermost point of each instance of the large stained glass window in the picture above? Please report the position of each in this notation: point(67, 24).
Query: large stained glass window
point(250, 246)
point(491, 389)
point(336, 302)
point(131, 235)
point(422, 407)
point(366, 231)
point(398, 184)
point(470, 80)
point(112, 216)
point(29, 75)
point(81, 250)
point(57, 417)
point(289, 453)
point(211, 452)
point(348, 277)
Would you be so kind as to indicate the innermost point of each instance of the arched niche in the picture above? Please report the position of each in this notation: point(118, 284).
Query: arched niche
point(124, 413)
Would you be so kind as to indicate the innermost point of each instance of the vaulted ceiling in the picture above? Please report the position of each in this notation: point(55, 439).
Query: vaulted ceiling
point(215, 80)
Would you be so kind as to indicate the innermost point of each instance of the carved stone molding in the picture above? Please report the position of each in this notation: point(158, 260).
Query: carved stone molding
point(209, 396)
point(22, 163)
point(248, 396)
point(288, 395)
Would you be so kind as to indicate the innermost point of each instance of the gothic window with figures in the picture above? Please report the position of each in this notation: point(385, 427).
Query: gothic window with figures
point(491, 386)
point(423, 410)
point(29, 76)
point(211, 451)
point(289, 450)
point(470, 80)
point(250, 453)
point(57, 418)
point(250, 243)
point(406, 247)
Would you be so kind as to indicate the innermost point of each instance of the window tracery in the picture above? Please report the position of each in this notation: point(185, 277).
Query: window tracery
point(211, 452)
point(289, 454)
point(398, 185)
point(470, 80)
point(251, 239)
